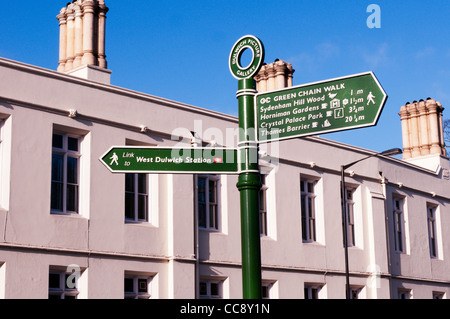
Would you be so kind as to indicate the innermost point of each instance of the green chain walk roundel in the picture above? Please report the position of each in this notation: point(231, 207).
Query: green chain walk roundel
point(255, 45)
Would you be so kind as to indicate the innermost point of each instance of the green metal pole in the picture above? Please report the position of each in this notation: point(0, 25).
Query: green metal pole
point(249, 185)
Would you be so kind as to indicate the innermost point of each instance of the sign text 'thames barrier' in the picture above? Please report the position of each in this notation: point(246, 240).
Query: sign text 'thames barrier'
point(129, 159)
point(333, 105)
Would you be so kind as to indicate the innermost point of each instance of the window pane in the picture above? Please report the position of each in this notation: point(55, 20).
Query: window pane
point(54, 296)
point(304, 218)
point(57, 196)
point(201, 190)
point(311, 187)
point(312, 230)
point(314, 293)
point(129, 285)
point(399, 239)
point(129, 205)
point(212, 191)
point(263, 223)
point(72, 144)
point(213, 216)
point(72, 170)
point(203, 289)
point(310, 208)
point(129, 182)
point(57, 167)
point(57, 141)
point(202, 215)
point(265, 292)
point(142, 183)
point(262, 200)
point(142, 285)
point(142, 207)
point(54, 281)
point(215, 289)
point(72, 198)
point(303, 204)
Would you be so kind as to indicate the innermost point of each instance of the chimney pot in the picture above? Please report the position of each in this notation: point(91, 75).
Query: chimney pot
point(422, 128)
point(82, 34)
point(274, 76)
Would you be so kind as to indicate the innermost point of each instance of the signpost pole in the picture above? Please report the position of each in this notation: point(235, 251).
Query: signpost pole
point(249, 182)
point(249, 185)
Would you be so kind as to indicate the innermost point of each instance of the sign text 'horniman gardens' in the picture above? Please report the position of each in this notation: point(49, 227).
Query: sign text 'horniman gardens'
point(333, 105)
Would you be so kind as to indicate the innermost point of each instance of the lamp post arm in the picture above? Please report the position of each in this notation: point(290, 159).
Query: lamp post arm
point(353, 163)
point(392, 151)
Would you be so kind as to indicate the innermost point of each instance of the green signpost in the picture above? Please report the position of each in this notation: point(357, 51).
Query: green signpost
point(322, 107)
point(249, 182)
point(205, 160)
point(333, 105)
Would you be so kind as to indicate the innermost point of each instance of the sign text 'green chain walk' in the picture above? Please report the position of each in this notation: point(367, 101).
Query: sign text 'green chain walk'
point(333, 105)
point(205, 160)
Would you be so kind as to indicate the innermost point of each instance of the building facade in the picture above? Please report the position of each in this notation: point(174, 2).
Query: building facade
point(69, 228)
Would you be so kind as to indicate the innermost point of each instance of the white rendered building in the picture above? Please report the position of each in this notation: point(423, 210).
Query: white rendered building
point(69, 228)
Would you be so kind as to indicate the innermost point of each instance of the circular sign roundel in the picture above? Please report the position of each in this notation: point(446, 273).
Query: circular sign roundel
point(253, 44)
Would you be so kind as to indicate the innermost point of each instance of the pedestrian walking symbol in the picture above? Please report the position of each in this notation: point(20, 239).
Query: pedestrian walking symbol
point(114, 159)
point(370, 98)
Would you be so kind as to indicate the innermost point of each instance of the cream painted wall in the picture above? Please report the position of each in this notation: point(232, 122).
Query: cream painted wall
point(105, 247)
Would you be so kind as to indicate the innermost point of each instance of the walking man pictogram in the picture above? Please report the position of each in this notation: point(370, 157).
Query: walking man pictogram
point(114, 159)
point(370, 98)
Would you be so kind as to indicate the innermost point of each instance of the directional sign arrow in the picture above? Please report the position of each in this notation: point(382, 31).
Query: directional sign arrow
point(206, 160)
point(328, 106)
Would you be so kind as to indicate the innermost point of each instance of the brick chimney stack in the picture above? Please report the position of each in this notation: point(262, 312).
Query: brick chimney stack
point(82, 35)
point(422, 129)
point(274, 76)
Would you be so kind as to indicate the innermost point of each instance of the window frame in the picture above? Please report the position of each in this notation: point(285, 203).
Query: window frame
point(308, 217)
point(63, 290)
point(398, 215)
point(311, 291)
point(403, 293)
point(65, 183)
point(263, 226)
point(438, 295)
point(215, 219)
point(356, 292)
point(209, 283)
point(268, 289)
point(432, 211)
point(136, 196)
point(350, 211)
point(136, 294)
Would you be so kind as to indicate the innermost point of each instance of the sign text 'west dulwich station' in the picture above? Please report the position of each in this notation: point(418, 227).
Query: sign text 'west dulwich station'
point(167, 160)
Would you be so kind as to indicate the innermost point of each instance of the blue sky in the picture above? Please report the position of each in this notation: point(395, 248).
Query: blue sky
point(179, 49)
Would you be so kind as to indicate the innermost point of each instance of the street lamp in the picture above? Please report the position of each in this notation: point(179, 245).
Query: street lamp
point(393, 151)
